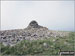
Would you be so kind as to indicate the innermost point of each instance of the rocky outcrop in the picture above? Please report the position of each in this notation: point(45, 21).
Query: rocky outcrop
point(32, 32)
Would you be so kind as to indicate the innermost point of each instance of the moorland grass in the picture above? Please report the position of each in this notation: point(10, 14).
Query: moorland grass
point(36, 47)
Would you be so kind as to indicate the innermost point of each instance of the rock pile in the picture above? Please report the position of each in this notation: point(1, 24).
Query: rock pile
point(32, 32)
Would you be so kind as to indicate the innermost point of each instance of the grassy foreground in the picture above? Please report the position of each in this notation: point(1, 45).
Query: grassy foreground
point(51, 46)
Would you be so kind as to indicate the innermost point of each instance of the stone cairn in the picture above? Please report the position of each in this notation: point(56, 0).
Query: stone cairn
point(32, 32)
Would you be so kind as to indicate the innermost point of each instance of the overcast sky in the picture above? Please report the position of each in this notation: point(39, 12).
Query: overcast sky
point(56, 15)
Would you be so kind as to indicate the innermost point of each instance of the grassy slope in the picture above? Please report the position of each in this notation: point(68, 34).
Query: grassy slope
point(54, 45)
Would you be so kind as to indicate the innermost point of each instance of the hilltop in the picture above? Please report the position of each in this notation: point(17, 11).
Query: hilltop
point(35, 40)
point(33, 32)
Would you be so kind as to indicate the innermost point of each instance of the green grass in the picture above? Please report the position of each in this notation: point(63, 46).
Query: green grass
point(35, 47)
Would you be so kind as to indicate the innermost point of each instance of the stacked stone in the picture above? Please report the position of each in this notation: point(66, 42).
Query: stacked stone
point(32, 32)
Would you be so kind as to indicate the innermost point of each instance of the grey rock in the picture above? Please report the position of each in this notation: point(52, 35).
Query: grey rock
point(45, 45)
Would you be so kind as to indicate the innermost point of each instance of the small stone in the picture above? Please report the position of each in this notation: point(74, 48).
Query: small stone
point(45, 45)
point(53, 40)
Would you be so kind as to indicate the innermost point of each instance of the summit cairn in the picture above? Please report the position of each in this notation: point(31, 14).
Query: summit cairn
point(34, 24)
